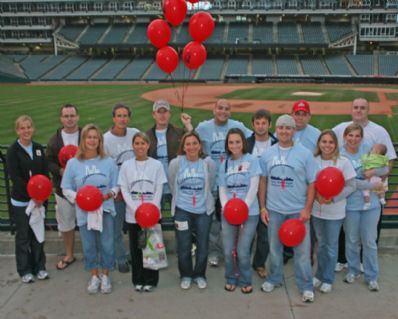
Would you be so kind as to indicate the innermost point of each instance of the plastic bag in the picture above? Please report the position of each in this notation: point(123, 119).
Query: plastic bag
point(154, 254)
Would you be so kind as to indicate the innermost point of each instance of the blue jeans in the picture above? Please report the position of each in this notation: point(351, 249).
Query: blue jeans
point(198, 224)
point(327, 233)
point(302, 258)
point(361, 229)
point(120, 247)
point(104, 255)
point(237, 239)
point(262, 246)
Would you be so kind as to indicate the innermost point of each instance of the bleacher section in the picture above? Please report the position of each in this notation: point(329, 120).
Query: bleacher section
point(262, 65)
point(312, 33)
point(8, 69)
point(212, 69)
point(337, 31)
point(37, 65)
point(72, 32)
point(388, 65)
point(183, 36)
point(135, 70)
point(337, 65)
point(312, 65)
point(286, 65)
point(287, 33)
point(262, 33)
point(93, 34)
point(138, 36)
point(237, 65)
point(238, 33)
point(62, 70)
point(363, 64)
point(111, 70)
point(218, 34)
point(84, 72)
point(116, 34)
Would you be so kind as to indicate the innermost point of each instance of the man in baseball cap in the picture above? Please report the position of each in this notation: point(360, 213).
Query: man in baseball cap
point(306, 134)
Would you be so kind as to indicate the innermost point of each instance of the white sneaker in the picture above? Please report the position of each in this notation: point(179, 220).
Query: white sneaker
point(201, 282)
point(361, 268)
point(138, 287)
point(93, 285)
point(148, 288)
point(42, 275)
point(267, 286)
point(28, 278)
point(350, 278)
point(106, 286)
point(185, 283)
point(214, 261)
point(316, 282)
point(308, 296)
point(373, 285)
point(325, 288)
point(340, 266)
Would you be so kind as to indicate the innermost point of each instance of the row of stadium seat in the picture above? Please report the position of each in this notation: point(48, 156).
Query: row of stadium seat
point(232, 33)
point(74, 68)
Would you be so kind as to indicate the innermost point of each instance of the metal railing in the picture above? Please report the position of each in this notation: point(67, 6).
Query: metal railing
point(389, 220)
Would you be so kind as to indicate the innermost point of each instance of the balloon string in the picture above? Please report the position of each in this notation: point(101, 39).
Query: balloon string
point(235, 256)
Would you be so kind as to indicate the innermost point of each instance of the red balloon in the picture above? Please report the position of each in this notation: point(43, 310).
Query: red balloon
point(147, 215)
point(89, 198)
point(292, 232)
point(329, 182)
point(66, 153)
point(175, 11)
point(39, 187)
point(167, 59)
point(201, 26)
point(194, 55)
point(159, 33)
point(236, 211)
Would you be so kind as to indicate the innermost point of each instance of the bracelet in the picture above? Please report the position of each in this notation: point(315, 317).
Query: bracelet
point(263, 210)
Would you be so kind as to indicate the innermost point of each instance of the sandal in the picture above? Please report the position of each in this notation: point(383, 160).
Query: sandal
point(229, 287)
point(261, 272)
point(63, 264)
point(246, 290)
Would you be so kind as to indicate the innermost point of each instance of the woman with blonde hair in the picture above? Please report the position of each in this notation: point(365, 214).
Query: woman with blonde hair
point(26, 158)
point(328, 213)
point(92, 167)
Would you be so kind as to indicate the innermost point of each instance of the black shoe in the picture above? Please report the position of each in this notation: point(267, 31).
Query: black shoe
point(124, 267)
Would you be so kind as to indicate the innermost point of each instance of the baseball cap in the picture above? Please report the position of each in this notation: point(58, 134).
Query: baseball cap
point(285, 120)
point(301, 105)
point(161, 104)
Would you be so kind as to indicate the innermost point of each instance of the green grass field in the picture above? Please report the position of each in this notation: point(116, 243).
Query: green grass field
point(95, 103)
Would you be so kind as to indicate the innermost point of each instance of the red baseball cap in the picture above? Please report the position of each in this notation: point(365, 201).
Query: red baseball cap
point(301, 105)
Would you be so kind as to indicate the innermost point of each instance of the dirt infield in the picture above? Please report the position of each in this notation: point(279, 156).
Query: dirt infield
point(204, 96)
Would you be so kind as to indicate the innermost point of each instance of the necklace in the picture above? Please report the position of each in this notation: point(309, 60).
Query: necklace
point(283, 162)
point(193, 167)
point(140, 167)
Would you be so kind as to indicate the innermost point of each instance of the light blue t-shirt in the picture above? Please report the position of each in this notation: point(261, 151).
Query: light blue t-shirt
point(289, 171)
point(308, 137)
point(235, 175)
point(190, 192)
point(102, 173)
point(213, 137)
point(356, 200)
point(162, 155)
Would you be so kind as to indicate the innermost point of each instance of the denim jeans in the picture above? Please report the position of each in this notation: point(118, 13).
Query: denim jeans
point(302, 258)
point(262, 246)
point(361, 230)
point(327, 233)
point(215, 237)
point(120, 247)
point(237, 240)
point(198, 224)
point(104, 255)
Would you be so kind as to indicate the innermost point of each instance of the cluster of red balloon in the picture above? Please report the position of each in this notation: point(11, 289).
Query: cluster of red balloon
point(89, 198)
point(329, 182)
point(66, 153)
point(147, 215)
point(236, 211)
point(39, 187)
point(201, 27)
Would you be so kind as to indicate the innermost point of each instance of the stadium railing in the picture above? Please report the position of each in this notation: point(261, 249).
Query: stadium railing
point(389, 219)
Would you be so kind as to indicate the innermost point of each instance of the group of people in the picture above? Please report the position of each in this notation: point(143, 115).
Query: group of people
point(197, 172)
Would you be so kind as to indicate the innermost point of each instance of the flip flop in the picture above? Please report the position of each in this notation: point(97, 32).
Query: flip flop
point(229, 287)
point(246, 290)
point(63, 264)
point(261, 272)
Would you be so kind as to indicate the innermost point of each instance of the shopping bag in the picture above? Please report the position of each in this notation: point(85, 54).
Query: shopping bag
point(154, 254)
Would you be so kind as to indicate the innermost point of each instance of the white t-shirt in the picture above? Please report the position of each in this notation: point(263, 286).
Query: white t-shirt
point(260, 147)
point(372, 134)
point(70, 138)
point(120, 148)
point(333, 211)
point(141, 181)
